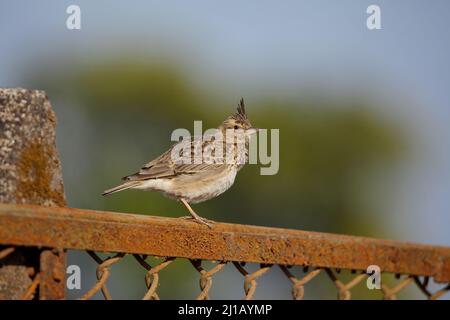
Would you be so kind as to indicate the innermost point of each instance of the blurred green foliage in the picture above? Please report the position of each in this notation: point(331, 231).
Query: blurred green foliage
point(328, 150)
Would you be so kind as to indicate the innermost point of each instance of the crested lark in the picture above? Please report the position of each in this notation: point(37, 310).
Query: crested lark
point(193, 178)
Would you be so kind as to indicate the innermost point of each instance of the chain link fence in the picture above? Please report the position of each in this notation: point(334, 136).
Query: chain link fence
point(343, 290)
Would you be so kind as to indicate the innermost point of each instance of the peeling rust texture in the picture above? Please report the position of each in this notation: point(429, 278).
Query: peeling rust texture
point(52, 268)
point(171, 237)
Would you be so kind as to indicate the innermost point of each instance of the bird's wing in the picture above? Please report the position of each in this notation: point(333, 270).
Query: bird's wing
point(159, 167)
point(164, 167)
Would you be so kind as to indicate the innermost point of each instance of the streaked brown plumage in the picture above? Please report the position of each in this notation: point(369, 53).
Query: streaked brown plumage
point(196, 182)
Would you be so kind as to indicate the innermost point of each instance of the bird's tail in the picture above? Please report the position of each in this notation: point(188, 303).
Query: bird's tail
point(123, 186)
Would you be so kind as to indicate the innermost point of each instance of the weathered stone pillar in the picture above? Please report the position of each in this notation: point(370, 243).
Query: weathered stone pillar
point(30, 173)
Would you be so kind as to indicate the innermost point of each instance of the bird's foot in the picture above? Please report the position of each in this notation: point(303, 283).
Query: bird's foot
point(200, 220)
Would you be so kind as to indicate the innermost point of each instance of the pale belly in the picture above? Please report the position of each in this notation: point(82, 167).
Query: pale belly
point(193, 188)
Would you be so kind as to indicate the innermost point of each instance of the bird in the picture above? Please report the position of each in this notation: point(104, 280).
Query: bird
point(191, 182)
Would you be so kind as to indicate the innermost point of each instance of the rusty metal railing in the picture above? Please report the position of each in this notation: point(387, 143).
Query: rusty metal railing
point(173, 239)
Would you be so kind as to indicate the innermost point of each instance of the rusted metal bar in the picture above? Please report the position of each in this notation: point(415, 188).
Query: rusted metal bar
point(170, 237)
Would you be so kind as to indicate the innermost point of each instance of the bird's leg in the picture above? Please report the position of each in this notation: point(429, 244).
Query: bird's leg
point(194, 215)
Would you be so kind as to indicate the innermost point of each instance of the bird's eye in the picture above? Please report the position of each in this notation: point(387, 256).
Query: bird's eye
point(236, 127)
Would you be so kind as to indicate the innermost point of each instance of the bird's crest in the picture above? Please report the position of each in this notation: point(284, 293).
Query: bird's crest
point(241, 115)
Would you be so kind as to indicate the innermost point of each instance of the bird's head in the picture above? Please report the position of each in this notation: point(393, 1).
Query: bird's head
point(239, 121)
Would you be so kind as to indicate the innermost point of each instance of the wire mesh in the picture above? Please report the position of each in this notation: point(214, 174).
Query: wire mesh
point(250, 279)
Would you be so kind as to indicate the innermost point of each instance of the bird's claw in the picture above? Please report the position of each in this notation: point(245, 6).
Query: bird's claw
point(200, 220)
